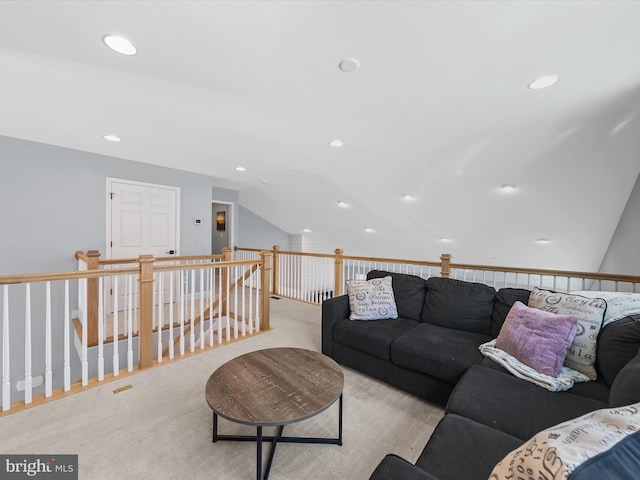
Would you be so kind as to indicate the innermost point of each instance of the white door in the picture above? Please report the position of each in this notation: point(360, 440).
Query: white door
point(142, 220)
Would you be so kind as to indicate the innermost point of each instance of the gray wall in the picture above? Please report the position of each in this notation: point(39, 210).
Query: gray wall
point(256, 232)
point(623, 253)
point(52, 203)
point(226, 195)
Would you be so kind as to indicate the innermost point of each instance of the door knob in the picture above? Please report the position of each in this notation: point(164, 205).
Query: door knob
point(171, 252)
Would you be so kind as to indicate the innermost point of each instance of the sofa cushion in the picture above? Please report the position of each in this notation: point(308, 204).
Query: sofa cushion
point(618, 343)
point(461, 305)
point(560, 450)
point(581, 355)
point(626, 387)
point(537, 338)
point(505, 298)
point(463, 449)
point(373, 338)
point(409, 291)
point(597, 390)
point(437, 351)
point(371, 299)
point(514, 406)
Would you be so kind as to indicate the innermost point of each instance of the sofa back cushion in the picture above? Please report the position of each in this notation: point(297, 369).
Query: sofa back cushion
point(626, 387)
point(456, 304)
point(408, 290)
point(618, 343)
point(505, 298)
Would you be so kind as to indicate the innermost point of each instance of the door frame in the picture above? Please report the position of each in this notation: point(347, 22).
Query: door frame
point(232, 222)
point(111, 181)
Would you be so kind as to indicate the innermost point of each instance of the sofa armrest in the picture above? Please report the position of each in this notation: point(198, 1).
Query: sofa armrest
point(333, 310)
point(393, 467)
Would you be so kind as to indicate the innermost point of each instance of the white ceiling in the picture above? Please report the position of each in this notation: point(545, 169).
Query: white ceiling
point(439, 108)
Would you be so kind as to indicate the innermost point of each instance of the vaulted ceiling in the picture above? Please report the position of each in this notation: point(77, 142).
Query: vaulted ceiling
point(439, 108)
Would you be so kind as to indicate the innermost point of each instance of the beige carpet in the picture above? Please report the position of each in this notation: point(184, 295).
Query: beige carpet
point(161, 428)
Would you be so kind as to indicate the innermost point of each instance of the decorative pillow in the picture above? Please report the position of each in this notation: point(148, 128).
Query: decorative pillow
point(618, 343)
point(581, 355)
point(505, 298)
point(558, 451)
point(537, 338)
point(371, 299)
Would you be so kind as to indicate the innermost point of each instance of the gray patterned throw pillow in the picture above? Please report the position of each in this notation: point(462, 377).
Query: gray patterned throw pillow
point(371, 299)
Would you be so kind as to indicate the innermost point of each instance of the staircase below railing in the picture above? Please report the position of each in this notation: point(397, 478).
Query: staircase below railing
point(122, 315)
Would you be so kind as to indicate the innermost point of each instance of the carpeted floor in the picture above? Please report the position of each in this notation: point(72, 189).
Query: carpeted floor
point(161, 428)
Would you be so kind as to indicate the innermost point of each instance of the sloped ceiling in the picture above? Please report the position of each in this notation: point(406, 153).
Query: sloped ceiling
point(439, 109)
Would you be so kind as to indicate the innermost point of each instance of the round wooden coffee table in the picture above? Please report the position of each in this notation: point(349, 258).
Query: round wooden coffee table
point(274, 387)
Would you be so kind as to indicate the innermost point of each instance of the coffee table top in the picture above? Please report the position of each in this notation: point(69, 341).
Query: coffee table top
point(275, 386)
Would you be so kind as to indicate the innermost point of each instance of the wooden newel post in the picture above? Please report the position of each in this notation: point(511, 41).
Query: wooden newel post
point(445, 265)
point(145, 311)
point(226, 254)
point(93, 294)
point(276, 270)
point(265, 294)
point(339, 278)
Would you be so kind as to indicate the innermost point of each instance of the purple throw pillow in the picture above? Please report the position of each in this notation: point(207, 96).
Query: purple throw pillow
point(537, 338)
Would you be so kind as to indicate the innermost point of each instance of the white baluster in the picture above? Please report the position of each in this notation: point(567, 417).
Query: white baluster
point(235, 305)
point(202, 297)
point(129, 303)
point(181, 302)
point(211, 297)
point(100, 329)
point(257, 325)
point(160, 319)
point(6, 371)
point(28, 381)
point(47, 342)
point(244, 318)
point(220, 305)
point(251, 277)
point(67, 346)
point(83, 347)
point(171, 348)
point(192, 335)
point(228, 304)
point(116, 333)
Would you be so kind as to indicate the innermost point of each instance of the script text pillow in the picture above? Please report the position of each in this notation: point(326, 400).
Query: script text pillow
point(537, 338)
point(371, 299)
point(557, 452)
point(581, 355)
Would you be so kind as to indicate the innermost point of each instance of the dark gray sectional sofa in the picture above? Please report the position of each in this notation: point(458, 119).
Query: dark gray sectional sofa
point(431, 350)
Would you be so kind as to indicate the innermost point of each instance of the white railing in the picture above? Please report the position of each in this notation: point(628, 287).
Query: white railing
point(171, 309)
point(313, 277)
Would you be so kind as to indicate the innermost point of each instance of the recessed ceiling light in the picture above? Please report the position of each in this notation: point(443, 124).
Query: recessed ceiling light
point(336, 143)
point(508, 187)
point(264, 181)
point(112, 138)
point(542, 241)
point(444, 239)
point(369, 230)
point(120, 44)
point(349, 65)
point(407, 197)
point(343, 204)
point(240, 169)
point(306, 230)
point(543, 82)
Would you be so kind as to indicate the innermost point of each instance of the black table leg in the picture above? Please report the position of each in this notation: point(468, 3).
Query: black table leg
point(215, 427)
point(259, 453)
